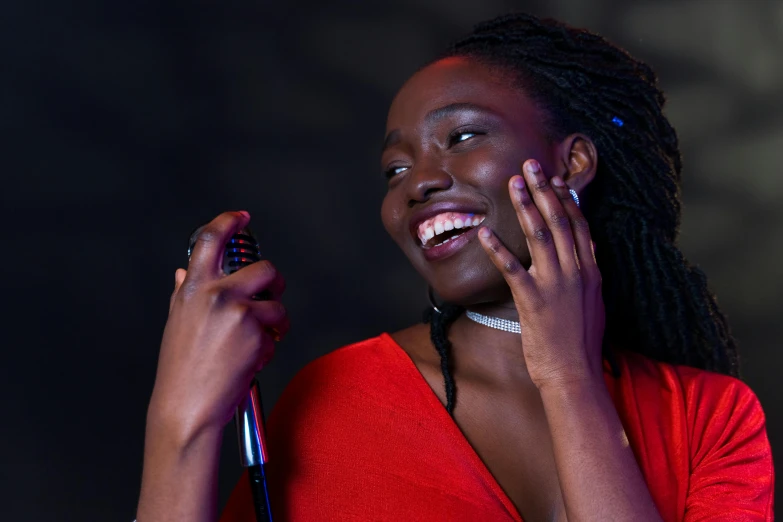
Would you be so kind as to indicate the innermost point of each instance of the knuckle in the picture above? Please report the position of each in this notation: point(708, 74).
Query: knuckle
point(512, 266)
point(209, 235)
point(542, 185)
point(187, 289)
point(580, 224)
point(217, 296)
point(216, 229)
point(494, 247)
point(543, 235)
point(559, 220)
point(275, 312)
point(239, 313)
point(265, 269)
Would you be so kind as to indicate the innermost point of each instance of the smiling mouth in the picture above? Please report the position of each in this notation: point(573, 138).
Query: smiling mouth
point(446, 227)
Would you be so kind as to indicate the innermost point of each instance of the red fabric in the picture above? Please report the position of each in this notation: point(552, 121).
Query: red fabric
point(358, 435)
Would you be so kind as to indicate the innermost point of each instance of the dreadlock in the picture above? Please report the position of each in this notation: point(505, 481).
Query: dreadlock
point(657, 303)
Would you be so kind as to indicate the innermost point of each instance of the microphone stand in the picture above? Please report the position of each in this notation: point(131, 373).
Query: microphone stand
point(252, 449)
point(242, 250)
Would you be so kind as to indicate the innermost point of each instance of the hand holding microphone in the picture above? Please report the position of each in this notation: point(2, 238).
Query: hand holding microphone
point(217, 336)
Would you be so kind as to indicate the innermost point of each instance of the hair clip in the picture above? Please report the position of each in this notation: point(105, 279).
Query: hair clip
point(617, 121)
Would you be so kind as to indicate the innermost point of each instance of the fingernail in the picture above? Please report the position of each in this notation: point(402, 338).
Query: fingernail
point(245, 213)
point(558, 181)
point(484, 232)
point(518, 183)
point(533, 167)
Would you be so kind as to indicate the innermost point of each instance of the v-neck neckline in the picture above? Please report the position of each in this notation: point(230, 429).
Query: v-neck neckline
point(453, 430)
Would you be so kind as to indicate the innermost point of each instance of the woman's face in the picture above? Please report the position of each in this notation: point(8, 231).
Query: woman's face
point(455, 134)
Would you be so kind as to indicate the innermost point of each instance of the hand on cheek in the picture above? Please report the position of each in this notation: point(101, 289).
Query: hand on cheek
point(558, 299)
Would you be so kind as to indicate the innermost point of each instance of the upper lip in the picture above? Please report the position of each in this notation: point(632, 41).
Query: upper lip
point(422, 215)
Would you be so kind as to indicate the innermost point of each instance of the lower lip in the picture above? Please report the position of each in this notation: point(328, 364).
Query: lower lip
point(437, 253)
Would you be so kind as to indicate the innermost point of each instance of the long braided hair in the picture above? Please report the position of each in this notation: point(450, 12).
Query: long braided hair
point(657, 303)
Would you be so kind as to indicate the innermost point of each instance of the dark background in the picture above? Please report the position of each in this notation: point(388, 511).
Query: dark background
point(126, 124)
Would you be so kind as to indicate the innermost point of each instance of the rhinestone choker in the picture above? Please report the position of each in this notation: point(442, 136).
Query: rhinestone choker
point(494, 322)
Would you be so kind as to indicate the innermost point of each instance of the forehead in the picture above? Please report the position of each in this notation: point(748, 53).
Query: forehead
point(458, 80)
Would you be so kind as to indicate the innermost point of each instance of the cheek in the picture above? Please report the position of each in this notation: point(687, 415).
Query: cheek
point(390, 216)
point(490, 174)
point(491, 165)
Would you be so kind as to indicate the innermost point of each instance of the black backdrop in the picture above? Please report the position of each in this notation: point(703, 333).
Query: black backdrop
point(126, 124)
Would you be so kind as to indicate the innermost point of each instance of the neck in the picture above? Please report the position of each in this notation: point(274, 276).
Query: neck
point(488, 353)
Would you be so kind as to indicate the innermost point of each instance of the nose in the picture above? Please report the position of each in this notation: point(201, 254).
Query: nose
point(425, 180)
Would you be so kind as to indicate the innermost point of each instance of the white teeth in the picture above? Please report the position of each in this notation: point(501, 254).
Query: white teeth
point(449, 239)
point(444, 224)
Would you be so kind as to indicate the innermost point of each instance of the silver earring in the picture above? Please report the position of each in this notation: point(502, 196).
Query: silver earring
point(573, 195)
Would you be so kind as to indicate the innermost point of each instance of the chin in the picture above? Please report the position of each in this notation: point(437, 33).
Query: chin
point(470, 288)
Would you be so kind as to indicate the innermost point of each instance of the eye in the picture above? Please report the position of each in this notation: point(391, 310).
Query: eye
point(460, 136)
point(393, 171)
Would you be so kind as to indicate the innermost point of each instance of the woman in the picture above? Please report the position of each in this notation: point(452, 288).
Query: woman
point(540, 388)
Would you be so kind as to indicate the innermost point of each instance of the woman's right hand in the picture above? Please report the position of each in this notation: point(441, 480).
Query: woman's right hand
point(216, 337)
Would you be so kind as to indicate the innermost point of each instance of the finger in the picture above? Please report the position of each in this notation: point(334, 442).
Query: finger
point(271, 315)
point(509, 265)
point(179, 277)
point(553, 215)
point(279, 331)
point(206, 260)
point(256, 278)
point(540, 243)
point(266, 356)
point(266, 352)
point(579, 227)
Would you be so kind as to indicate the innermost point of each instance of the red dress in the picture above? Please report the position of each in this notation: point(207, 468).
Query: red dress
point(358, 435)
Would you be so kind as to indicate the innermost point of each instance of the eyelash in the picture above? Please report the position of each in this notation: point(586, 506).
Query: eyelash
point(454, 135)
point(391, 171)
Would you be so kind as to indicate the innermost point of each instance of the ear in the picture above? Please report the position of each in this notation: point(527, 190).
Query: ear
point(577, 161)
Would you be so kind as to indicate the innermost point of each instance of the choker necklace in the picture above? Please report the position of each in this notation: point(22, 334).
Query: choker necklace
point(494, 322)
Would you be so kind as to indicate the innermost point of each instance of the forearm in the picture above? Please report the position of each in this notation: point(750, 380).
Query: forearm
point(599, 476)
point(179, 480)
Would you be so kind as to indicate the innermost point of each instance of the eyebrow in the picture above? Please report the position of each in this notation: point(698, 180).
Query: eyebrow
point(433, 116)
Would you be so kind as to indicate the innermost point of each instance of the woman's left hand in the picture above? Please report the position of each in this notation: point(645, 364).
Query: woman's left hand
point(561, 311)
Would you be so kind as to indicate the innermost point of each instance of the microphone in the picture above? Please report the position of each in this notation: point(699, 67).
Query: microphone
point(242, 250)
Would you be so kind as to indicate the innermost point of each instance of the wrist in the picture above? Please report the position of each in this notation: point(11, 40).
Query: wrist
point(179, 429)
point(583, 385)
point(179, 478)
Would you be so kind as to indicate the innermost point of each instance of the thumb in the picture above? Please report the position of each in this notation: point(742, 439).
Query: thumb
point(179, 277)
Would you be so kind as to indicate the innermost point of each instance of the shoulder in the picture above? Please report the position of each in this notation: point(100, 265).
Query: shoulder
point(345, 381)
point(699, 388)
point(351, 365)
point(713, 411)
point(703, 430)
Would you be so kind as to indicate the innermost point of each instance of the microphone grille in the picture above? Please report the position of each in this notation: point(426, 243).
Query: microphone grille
point(241, 250)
